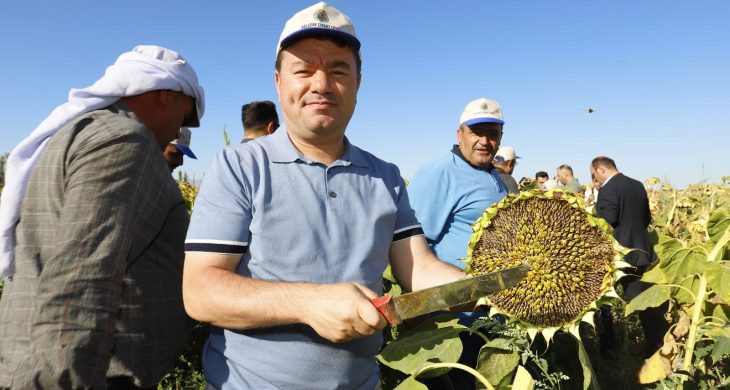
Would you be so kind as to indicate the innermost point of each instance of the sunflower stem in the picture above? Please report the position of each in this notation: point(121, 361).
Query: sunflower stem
point(694, 324)
point(463, 367)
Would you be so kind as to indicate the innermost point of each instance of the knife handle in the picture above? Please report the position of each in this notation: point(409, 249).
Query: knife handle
point(385, 306)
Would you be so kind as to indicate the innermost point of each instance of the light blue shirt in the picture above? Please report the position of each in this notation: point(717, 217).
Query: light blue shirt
point(449, 195)
point(297, 220)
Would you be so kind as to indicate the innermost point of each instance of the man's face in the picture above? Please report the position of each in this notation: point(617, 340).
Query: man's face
point(509, 166)
point(596, 182)
point(173, 156)
point(561, 177)
point(317, 85)
point(598, 174)
point(541, 180)
point(479, 143)
point(175, 110)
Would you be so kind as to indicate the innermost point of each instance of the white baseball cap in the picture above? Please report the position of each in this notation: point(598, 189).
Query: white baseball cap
point(482, 110)
point(505, 153)
point(183, 142)
point(320, 18)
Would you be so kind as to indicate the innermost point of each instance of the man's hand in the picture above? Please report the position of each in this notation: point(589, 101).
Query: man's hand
point(343, 312)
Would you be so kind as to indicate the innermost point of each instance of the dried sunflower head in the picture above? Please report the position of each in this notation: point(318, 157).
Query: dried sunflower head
point(574, 258)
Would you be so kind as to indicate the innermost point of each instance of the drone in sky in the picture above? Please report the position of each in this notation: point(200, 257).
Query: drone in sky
point(591, 110)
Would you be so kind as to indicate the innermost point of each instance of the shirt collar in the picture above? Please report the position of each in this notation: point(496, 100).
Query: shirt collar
point(612, 176)
point(455, 150)
point(282, 150)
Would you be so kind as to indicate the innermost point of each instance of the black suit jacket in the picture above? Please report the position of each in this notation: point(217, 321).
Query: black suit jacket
point(624, 204)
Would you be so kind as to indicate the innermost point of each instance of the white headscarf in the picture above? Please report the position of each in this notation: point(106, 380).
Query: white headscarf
point(145, 68)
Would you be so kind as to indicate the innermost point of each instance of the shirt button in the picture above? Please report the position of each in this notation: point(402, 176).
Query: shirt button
point(333, 194)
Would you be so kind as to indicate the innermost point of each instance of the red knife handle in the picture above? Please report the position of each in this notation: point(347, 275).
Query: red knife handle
point(385, 306)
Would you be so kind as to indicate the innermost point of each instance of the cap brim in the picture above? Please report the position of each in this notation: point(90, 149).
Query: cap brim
point(308, 32)
point(474, 121)
point(186, 151)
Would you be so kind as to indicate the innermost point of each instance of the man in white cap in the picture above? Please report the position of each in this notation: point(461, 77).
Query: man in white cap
point(290, 234)
point(505, 162)
point(95, 253)
point(178, 148)
point(451, 192)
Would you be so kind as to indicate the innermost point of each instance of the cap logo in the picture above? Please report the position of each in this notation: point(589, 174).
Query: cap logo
point(484, 106)
point(321, 16)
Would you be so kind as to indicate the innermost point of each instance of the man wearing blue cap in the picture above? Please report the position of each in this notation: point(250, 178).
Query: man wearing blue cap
point(176, 150)
point(290, 234)
point(504, 162)
point(452, 191)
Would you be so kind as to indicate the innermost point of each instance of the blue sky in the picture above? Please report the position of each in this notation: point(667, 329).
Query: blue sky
point(658, 72)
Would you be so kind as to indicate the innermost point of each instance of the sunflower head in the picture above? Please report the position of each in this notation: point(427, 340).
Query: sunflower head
point(575, 260)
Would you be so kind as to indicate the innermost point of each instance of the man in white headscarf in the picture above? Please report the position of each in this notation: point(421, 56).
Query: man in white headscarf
point(91, 232)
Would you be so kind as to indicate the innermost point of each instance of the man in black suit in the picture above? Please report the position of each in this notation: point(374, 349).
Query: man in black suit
point(623, 203)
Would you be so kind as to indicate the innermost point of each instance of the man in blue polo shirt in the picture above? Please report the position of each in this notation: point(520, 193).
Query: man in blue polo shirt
point(291, 233)
point(450, 193)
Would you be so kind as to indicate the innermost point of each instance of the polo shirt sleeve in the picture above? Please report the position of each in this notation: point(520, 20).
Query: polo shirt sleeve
point(222, 210)
point(406, 223)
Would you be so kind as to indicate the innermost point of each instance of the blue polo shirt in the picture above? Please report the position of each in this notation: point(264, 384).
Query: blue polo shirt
point(296, 220)
point(449, 195)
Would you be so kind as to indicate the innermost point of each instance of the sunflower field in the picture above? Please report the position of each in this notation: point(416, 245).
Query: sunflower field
point(542, 333)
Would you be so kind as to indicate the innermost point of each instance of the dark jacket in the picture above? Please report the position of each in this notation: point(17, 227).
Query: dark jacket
point(622, 201)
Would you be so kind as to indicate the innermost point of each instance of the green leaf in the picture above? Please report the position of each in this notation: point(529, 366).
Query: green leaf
point(701, 352)
point(523, 379)
point(495, 362)
point(589, 377)
point(654, 275)
point(682, 296)
point(677, 266)
point(718, 278)
point(652, 297)
point(411, 384)
point(716, 333)
point(718, 224)
point(500, 343)
point(435, 340)
point(720, 348)
point(722, 312)
point(666, 247)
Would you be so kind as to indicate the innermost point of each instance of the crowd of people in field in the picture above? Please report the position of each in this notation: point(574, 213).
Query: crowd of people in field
point(290, 234)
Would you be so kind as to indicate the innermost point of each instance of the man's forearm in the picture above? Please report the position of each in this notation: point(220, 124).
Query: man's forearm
point(213, 292)
point(223, 298)
point(416, 267)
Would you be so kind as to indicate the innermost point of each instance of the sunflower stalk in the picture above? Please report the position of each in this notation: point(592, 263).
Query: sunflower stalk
point(459, 366)
point(714, 255)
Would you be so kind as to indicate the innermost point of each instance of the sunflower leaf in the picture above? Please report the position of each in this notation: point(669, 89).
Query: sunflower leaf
point(652, 297)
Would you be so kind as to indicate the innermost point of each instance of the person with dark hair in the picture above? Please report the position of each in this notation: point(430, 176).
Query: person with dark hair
point(566, 179)
point(291, 233)
point(623, 203)
point(259, 119)
point(540, 178)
